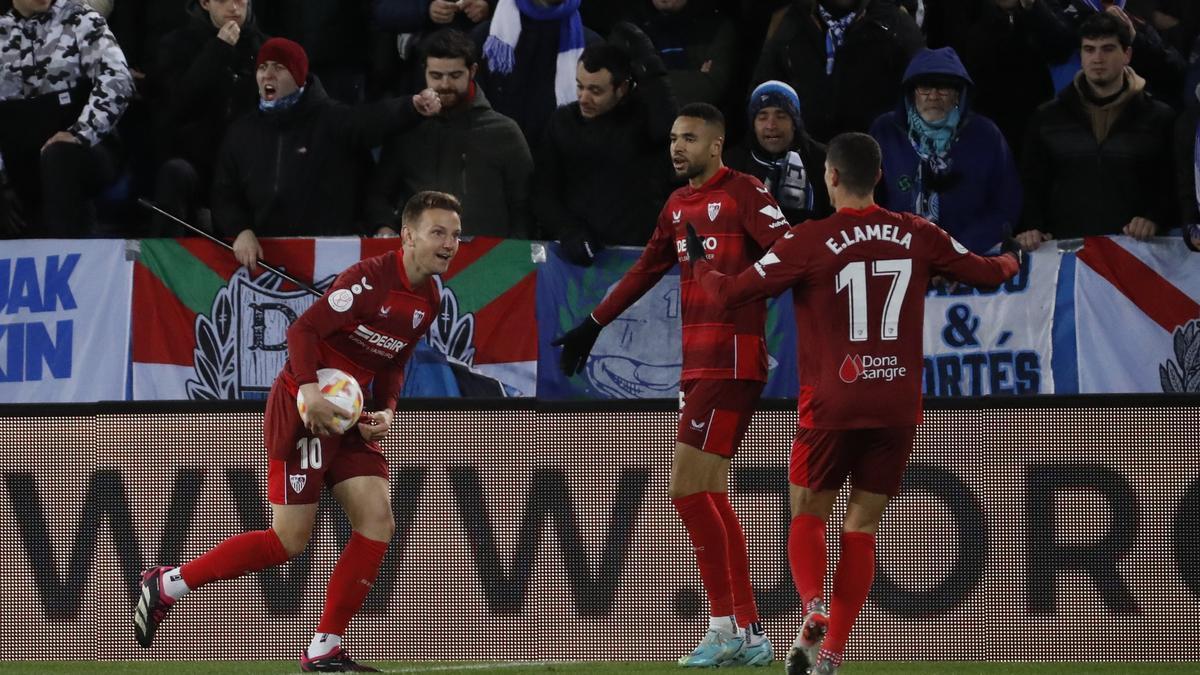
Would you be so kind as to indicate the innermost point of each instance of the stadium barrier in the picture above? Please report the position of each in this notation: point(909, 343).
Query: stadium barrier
point(1063, 528)
point(178, 319)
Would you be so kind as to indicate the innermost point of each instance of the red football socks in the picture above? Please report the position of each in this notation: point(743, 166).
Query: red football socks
point(806, 554)
point(744, 607)
point(706, 529)
point(237, 555)
point(851, 583)
point(352, 578)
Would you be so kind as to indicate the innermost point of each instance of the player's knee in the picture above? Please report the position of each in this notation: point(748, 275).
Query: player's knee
point(294, 543)
point(378, 526)
point(806, 502)
point(294, 538)
point(860, 523)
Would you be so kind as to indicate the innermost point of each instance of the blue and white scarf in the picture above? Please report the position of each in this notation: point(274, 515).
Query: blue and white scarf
point(501, 45)
point(835, 35)
point(932, 142)
point(281, 104)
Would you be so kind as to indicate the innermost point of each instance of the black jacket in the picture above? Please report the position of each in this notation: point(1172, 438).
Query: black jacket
point(606, 179)
point(866, 73)
point(472, 152)
point(1008, 56)
point(1076, 187)
point(1185, 170)
point(299, 172)
point(206, 85)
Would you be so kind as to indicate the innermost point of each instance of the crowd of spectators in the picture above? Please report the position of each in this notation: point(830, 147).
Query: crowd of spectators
point(1038, 119)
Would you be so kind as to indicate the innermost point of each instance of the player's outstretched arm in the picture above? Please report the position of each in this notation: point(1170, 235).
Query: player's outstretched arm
point(764, 279)
point(981, 271)
point(577, 346)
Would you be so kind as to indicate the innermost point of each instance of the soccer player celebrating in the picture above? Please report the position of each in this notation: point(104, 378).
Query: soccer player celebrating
point(858, 281)
point(366, 325)
point(724, 368)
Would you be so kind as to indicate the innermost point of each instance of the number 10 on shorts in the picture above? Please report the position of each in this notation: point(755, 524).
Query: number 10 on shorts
point(310, 453)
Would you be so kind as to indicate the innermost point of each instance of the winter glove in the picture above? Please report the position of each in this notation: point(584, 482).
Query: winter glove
point(695, 247)
point(642, 53)
point(577, 345)
point(792, 190)
point(1009, 246)
point(578, 249)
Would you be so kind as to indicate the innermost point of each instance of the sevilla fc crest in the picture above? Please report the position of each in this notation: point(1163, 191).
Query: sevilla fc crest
point(297, 480)
point(713, 209)
point(418, 315)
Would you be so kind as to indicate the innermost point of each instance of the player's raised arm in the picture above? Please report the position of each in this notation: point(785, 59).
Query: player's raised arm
point(766, 278)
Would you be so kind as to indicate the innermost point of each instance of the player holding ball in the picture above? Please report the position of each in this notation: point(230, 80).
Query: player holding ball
point(366, 325)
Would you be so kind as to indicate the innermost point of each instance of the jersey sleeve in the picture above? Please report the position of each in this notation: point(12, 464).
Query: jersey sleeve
point(761, 215)
point(338, 308)
point(657, 258)
point(779, 269)
point(952, 259)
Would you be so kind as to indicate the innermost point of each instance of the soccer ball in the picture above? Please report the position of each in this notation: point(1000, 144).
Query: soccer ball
point(339, 389)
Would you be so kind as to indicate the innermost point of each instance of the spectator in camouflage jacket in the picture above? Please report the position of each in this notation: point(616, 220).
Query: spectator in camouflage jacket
point(64, 84)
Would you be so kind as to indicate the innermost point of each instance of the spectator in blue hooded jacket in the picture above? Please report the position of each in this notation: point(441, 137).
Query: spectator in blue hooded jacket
point(943, 162)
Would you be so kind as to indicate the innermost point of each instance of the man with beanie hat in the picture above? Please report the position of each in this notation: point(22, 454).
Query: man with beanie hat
point(781, 154)
point(295, 166)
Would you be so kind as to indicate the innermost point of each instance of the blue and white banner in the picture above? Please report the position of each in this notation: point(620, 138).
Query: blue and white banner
point(639, 355)
point(64, 320)
point(1137, 318)
point(994, 342)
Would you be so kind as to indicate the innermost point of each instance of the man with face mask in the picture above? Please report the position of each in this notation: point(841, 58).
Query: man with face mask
point(467, 149)
point(781, 154)
point(844, 58)
point(943, 162)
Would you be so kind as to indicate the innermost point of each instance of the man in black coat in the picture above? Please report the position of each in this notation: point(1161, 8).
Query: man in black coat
point(294, 166)
point(1096, 158)
point(845, 59)
point(601, 174)
point(206, 71)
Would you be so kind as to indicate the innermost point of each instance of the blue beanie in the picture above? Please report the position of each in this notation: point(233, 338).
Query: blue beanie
point(774, 93)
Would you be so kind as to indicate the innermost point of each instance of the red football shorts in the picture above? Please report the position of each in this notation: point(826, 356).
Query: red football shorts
point(714, 414)
point(874, 459)
point(301, 463)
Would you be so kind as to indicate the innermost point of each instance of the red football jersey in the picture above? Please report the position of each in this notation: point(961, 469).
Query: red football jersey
point(858, 282)
point(366, 324)
point(738, 220)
